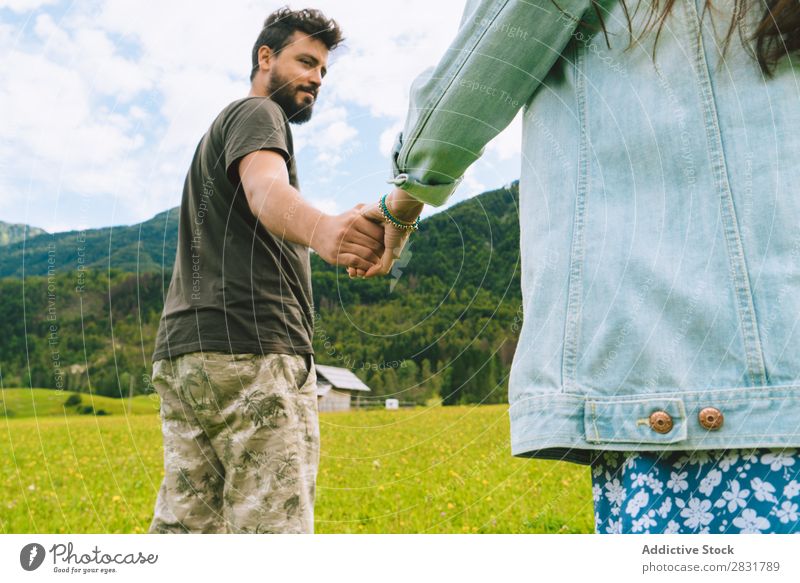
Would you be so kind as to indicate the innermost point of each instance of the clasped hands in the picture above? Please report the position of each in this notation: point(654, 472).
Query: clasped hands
point(361, 240)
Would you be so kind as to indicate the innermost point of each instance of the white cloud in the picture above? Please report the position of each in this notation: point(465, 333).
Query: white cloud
point(338, 134)
point(181, 34)
point(49, 32)
point(470, 186)
point(386, 50)
point(110, 100)
point(90, 53)
point(80, 121)
point(388, 137)
point(330, 136)
point(326, 205)
point(507, 145)
point(68, 132)
point(24, 5)
point(54, 123)
point(190, 99)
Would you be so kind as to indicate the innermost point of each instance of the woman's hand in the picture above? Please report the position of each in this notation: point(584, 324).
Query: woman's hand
point(406, 209)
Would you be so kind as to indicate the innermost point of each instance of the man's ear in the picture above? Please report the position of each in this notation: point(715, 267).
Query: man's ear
point(264, 58)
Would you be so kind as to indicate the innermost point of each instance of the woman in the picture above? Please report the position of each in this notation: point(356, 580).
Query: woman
point(659, 206)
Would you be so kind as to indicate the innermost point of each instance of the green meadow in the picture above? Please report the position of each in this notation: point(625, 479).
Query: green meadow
point(16, 403)
point(421, 470)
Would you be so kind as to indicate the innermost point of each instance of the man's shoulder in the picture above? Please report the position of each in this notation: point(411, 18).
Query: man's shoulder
point(249, 106)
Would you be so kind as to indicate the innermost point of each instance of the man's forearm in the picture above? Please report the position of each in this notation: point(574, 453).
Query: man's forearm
point(284, 213)
point(345, 239)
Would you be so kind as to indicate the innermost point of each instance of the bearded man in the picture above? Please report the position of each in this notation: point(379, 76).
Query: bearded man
point(233, 356)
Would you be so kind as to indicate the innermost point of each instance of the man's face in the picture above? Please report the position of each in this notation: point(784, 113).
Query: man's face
point(296, 74)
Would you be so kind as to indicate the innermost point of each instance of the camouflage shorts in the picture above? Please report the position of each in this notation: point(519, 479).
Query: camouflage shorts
point(241, 443)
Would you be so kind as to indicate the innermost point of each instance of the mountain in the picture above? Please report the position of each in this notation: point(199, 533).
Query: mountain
point(12, 233)
point(141, 248)
point(465, 242)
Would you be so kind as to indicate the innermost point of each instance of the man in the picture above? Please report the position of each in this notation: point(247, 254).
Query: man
point(233, 356)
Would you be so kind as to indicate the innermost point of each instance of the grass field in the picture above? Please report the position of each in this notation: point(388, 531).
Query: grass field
point(432, 470)
point(18, 403)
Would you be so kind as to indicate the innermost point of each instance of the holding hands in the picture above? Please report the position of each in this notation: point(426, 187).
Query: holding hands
point(368, 238)
point(399, 213)
point(349, 239)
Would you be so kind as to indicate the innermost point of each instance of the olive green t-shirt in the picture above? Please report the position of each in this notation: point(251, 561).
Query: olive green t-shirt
point(235, 286)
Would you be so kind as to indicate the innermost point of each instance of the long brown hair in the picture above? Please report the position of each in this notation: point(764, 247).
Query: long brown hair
point(776, 36)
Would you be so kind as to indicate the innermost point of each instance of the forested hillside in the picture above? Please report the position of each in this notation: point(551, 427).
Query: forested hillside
point(12, 233)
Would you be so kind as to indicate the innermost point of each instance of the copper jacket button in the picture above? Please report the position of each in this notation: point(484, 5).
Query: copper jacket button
point(711, 418)
point(661, 422)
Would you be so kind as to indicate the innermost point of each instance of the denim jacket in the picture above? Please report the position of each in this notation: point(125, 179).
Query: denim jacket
point(659, 214)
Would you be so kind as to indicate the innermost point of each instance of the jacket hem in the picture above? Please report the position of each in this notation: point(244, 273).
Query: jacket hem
point(577, 428)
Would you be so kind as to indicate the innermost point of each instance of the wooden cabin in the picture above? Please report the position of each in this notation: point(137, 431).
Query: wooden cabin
point(338, 388)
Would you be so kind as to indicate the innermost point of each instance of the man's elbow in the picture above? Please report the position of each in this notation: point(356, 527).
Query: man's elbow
point(257, 196)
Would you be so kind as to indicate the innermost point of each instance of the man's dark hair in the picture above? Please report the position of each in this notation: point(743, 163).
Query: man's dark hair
point(282, 23)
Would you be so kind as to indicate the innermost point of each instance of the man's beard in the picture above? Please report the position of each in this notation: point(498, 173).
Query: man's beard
point(282, 93)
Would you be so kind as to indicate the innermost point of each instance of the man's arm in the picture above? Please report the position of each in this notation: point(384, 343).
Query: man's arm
point(349, 239)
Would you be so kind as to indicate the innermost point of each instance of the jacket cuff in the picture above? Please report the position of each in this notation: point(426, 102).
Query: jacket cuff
point(432, 194)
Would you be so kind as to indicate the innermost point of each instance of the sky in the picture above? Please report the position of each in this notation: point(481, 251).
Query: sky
point(103, 103)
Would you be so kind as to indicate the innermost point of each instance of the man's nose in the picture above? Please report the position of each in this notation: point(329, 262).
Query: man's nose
point(315, 77)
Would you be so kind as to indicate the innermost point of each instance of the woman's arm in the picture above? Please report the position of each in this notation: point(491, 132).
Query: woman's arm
point(501, 54)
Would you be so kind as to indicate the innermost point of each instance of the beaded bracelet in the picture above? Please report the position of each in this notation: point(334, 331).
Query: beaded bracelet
point(390, 218)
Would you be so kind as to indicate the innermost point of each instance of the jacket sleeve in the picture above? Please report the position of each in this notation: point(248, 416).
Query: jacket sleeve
point(503, 50)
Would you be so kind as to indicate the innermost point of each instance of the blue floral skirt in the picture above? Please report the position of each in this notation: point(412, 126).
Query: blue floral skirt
point(719, 491)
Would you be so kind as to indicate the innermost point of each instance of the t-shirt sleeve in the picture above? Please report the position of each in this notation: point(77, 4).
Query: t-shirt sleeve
point(258, 124)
